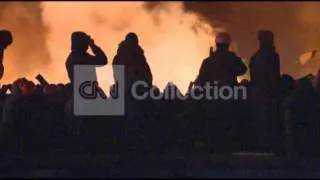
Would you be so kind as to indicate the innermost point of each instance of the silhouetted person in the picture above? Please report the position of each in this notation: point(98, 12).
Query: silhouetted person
point(265, 79)
point(5, 41)
point(265, 67)
point(222, 66)
point(80, 42)
point(131, 55)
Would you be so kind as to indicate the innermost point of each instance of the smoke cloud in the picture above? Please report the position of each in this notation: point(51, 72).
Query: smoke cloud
point(175, 36)
point(28, 53)
point(295, 25)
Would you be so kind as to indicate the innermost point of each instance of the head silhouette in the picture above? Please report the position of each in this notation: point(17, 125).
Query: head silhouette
point(266, 37)
point(132, 38)
point(287, 82)
point(223, 40)
point(27, 88)
point(79, 41)
point(5, 39)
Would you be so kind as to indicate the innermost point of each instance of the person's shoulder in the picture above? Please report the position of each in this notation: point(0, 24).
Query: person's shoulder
point(140, 49)
point(115, 60)
point(70, 59)
point(207, 59)
point(71, 56)
point(255, 55)
point(122, 45)
point(233, 55)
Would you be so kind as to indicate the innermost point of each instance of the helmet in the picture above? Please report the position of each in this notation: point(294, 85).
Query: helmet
point(223, 38)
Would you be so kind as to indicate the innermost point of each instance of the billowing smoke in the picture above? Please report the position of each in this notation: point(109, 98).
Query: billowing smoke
point(28, 53)
point(175, 37)
point(295, 24)
point(175, 42)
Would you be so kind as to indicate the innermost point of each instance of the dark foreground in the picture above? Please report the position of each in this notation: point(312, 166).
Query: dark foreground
point(161, 165)
point(40, 137)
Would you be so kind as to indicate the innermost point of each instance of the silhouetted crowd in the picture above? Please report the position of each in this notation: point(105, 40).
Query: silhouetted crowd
point(280, 114)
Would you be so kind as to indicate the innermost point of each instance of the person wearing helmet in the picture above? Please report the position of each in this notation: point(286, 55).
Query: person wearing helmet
point(5, 40)
point(265, 80)
point(131, 55)
point(80, 42)
point(222, 66)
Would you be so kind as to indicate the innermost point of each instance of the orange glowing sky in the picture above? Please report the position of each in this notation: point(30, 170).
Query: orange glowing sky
point(175, 42)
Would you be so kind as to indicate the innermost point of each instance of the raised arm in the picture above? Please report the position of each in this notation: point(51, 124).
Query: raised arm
point(99, 57)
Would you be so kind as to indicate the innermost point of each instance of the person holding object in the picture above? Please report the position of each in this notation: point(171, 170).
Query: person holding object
point(80, 42)
point(222, 66)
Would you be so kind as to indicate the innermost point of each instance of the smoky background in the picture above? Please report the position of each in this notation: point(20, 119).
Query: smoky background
point(176, 35)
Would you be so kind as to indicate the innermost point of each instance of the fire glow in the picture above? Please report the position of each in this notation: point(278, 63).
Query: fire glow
point(175, 41)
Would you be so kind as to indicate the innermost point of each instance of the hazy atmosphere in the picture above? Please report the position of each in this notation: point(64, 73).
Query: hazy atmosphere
point(174, 33)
